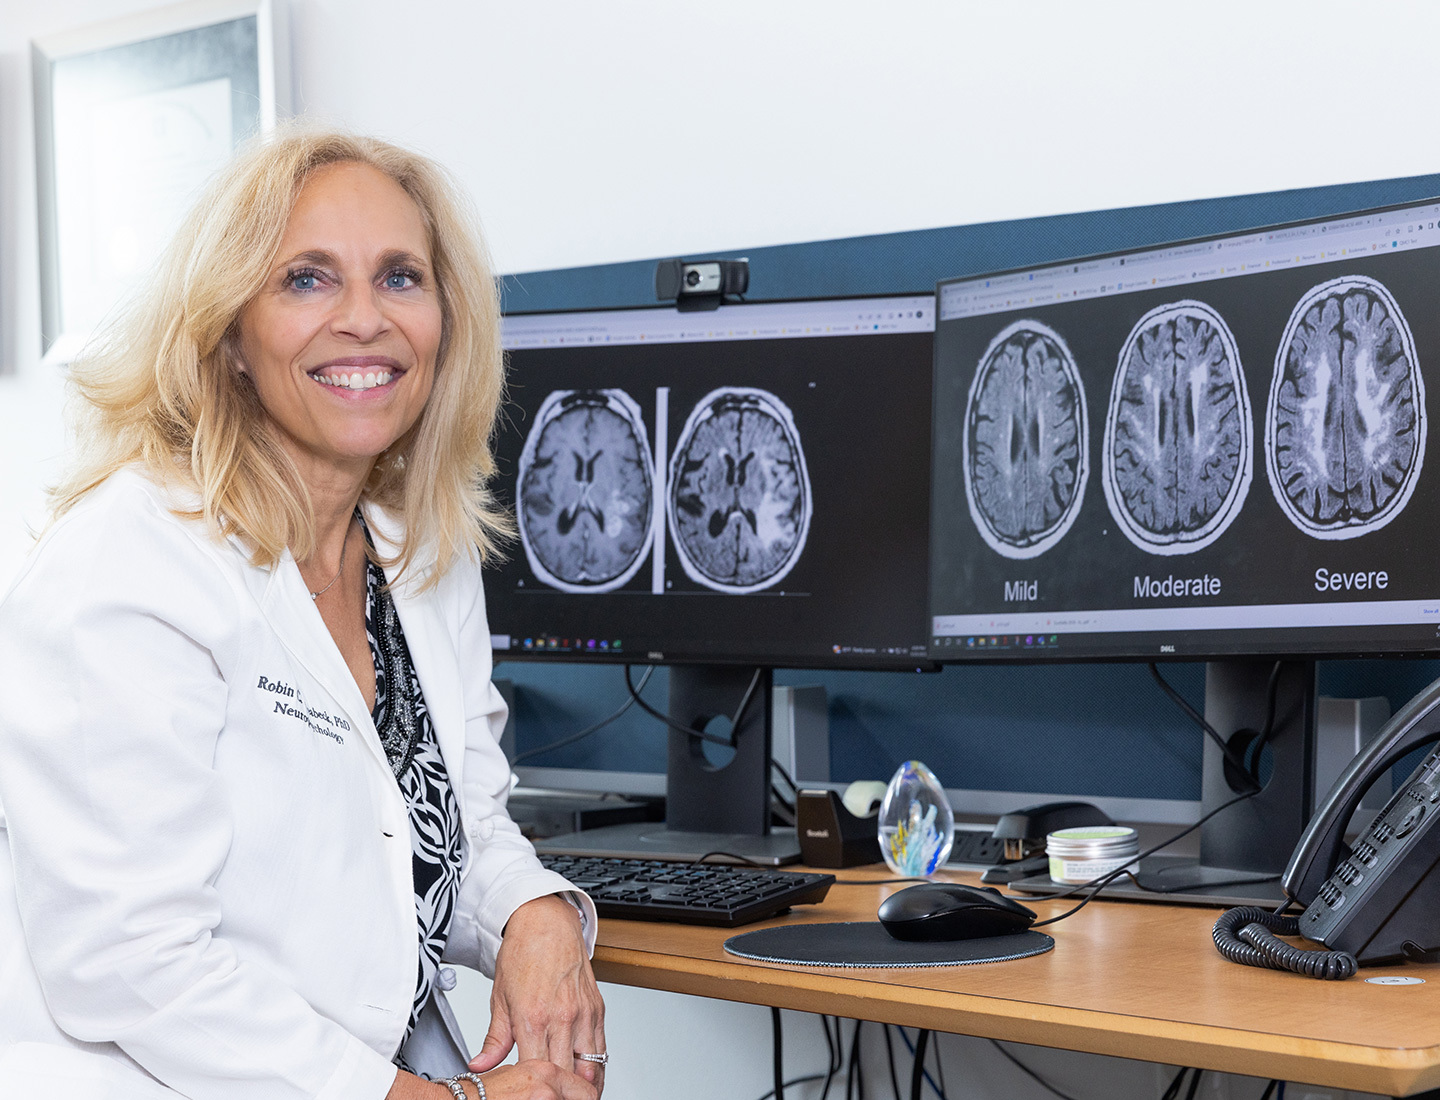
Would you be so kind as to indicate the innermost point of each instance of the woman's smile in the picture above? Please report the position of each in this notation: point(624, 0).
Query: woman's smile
point(359, 373)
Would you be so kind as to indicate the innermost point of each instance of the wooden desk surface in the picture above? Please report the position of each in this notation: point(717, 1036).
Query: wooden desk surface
point(1133, 979)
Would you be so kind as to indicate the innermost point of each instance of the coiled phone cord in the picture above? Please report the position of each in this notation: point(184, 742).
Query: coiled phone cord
point(1247, 935)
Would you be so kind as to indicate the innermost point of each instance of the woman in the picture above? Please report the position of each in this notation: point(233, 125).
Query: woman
point(254, 747)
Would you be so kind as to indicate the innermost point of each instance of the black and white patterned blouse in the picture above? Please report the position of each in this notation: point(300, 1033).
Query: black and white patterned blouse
point(405, 729)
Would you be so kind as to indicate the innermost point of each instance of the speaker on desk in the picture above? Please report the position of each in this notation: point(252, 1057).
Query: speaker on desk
point(830, 835)
point(800, 740)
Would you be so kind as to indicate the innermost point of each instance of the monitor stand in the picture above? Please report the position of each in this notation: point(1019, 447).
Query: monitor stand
point(711, 809)
point(1243, 850)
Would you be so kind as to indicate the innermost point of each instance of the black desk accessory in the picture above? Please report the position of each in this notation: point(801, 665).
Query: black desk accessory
point(866, 944)
point(1024, 831)
point(1015, 848)
point(975, 847)
point(1002, 872)
point(830, 835)
point(544, 813)
point(653, 840)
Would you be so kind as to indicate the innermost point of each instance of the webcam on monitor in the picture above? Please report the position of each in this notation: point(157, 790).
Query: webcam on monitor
point(700, 284)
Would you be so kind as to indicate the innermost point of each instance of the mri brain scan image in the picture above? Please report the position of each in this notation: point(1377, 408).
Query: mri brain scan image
point(584, 495)
point(1177, 461)
point(740, 496)
point(1345, 430)
point(1026, 442)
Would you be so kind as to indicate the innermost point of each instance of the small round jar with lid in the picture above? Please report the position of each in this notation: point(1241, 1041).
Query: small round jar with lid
point(1086, 853)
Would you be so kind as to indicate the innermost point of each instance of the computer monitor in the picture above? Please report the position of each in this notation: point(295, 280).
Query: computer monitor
point(1213, 449)
point(723, 493)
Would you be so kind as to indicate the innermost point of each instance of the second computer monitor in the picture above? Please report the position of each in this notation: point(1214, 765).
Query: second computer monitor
point(1209, 449)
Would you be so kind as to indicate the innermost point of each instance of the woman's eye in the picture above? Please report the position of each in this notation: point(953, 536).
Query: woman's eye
point(400, 280)
point(302, 280)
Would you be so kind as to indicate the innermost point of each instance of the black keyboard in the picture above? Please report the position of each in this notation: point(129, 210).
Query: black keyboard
point(687, 893)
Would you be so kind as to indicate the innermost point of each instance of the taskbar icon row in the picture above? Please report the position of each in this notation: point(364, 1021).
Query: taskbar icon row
point(548, 643)
point(999, 641)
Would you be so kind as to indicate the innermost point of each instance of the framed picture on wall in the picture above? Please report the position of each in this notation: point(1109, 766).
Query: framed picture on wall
point(132, 116)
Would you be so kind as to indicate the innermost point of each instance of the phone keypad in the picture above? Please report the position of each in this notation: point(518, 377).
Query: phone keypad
point(1364, 855)
point(1349, 874)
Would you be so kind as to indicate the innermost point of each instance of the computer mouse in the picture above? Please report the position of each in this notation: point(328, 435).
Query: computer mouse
point(935, 911)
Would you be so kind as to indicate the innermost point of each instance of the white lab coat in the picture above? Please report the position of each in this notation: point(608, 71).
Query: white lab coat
point(205, 863)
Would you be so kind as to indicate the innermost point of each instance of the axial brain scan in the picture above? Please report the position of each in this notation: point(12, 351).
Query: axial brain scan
point(584, 491)
point(1345, 430)
point(1026, 441)
point(740, 496)
point(1178, 434)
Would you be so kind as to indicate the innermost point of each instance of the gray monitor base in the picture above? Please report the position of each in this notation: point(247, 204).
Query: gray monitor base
point(647, 840)
point(1176, 879)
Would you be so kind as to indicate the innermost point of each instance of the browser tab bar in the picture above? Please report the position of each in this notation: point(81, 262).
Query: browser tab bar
point(743, 321)
point(1194, 261)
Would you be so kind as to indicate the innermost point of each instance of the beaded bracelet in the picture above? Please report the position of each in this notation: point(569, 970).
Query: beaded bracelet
point(457, 1090)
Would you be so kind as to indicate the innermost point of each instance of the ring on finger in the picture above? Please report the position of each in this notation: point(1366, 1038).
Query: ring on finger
point(599, 1059)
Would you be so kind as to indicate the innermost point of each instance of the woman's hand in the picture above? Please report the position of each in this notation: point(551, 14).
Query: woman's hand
point(531, 1080)
point(545, 1001)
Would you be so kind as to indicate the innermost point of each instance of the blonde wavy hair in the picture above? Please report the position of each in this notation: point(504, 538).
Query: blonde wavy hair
point(160, 388)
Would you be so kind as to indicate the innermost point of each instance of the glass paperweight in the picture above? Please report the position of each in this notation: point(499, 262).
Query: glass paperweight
point(917, 825)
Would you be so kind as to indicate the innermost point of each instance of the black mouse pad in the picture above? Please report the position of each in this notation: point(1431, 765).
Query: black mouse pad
point(867, 944)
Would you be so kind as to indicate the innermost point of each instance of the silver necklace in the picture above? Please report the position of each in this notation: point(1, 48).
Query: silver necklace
point(343, 547)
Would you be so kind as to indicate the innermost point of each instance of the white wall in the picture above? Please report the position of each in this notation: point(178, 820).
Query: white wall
point(591, 132)
point(594, 132)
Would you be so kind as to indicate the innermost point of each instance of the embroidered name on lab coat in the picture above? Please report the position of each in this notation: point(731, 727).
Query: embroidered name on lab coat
point(322, 722)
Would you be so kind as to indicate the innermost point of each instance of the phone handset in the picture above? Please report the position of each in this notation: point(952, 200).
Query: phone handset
point(1315, 857)
point(1375, 902)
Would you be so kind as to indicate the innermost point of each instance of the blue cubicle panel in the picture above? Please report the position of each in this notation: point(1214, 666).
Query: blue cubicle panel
point(1084, 729)
point(897, 263)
